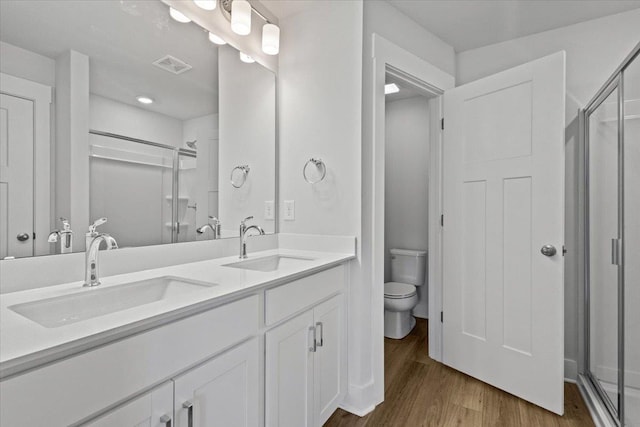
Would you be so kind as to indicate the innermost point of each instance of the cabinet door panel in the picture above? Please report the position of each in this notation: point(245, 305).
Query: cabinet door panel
point(329, 377)
point(224, 391)
point(147, 410)
point(289, 373)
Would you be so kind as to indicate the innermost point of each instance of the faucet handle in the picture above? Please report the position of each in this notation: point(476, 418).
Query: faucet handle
point(66, 226)
point(215, 220)
point(247, 219)
point(97, 222)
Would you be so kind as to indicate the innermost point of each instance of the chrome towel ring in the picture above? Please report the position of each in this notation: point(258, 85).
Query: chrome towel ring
point(321, 171)
point(239, 175)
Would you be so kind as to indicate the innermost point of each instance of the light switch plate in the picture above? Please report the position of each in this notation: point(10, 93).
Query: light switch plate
point(289, 210)
point(268, 209)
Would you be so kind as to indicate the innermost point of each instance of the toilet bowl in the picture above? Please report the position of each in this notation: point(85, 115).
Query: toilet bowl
point(408, 270)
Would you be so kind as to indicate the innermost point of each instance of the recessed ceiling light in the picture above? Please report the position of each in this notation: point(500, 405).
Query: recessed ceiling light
point(391, 88)
point(205, 4)
point(246, 58)
point(144, 99)
point(178, 16)
point(213, 38)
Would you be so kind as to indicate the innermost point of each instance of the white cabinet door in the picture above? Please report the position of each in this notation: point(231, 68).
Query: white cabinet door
point(153, 409)
point(503, 204)
point(289, 373)
point(329, 358)
point(222, 392)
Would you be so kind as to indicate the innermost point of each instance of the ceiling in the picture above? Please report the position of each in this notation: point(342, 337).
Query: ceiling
point(122, 39)
point(469, 24)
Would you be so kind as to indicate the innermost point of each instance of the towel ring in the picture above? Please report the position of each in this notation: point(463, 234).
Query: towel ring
point(240, 177)
point(320, 166)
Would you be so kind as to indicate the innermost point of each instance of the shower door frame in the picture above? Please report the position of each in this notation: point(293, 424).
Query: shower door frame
point(615, 82)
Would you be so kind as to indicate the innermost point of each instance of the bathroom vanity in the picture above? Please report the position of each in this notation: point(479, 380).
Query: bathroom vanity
point(212, 343)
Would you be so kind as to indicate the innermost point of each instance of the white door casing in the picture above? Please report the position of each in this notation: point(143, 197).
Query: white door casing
point(16, 176)
point(503, 200)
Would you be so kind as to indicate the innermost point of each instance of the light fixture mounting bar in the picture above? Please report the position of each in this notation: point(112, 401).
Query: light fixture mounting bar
point(225, 7)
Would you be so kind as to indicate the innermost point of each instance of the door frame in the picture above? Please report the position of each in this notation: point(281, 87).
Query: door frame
point(388, 56)
point(41, 96)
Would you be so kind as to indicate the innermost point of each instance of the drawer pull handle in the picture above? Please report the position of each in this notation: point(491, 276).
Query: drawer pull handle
point(188, 405)
point(319, 325)
point(314, 347)
point(166, 419)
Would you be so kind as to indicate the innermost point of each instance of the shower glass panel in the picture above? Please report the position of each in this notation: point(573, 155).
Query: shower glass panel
point(631, 85)
point(131, 184)
point(603, 229)
point(187, 202)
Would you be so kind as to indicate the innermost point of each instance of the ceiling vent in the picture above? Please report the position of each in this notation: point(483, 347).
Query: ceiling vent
point(172, 64)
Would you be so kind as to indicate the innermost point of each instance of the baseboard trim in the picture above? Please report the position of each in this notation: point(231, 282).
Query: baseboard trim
point(570, 371)
point(359, 400)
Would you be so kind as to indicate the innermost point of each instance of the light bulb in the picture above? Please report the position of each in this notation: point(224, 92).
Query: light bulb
point(178, 16)
point(144, 99)
point(391, 88)
point(241, 17)
point(270, 39)
point(205, 4)
point(213, 38)
point(246, 58)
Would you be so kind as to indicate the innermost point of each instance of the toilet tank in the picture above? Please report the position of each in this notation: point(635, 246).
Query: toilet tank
point(408, 266)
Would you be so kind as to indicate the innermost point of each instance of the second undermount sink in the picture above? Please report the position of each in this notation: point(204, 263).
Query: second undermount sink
point(270, 263)
point(94, 302)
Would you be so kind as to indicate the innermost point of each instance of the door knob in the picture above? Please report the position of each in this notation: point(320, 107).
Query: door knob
point(548, 250)
point(22, 237)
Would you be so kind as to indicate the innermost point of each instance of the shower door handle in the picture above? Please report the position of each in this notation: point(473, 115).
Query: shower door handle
point(615, 251)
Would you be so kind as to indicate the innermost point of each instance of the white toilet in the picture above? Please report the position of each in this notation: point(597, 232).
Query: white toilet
point(400, 295)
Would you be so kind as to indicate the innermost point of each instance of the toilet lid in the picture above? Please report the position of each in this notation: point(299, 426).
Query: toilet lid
point(398, 290)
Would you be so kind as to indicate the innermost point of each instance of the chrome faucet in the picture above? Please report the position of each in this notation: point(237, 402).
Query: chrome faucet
point(94, 240)
point(243, 235)
point(64, 236)
point(216, 228)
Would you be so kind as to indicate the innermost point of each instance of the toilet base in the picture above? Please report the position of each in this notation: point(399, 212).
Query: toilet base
point(398, 324)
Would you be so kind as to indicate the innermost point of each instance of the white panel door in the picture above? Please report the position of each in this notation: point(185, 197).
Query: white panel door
point(289, 373)
point(153, 409)
point(16, 176)
point(328, 363)
point(222, 392)
point(503, 201)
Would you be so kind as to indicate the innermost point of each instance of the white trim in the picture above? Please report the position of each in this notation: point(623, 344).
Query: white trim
point(570, 370)
point(384, 54)
point(41, 97)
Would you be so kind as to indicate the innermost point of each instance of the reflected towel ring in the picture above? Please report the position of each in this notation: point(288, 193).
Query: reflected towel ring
point(239, 175)
point(320, 166)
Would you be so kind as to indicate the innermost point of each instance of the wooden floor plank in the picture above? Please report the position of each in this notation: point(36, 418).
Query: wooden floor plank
point(420, 392)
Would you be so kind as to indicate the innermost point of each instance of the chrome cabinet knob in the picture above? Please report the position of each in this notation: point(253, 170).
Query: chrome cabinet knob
point(548, 250)
point(23, 237)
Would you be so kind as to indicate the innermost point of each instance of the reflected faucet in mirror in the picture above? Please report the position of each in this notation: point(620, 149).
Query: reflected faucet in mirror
point(64, 237)
point(94, 239)
point(216, 227)
point(243, 235)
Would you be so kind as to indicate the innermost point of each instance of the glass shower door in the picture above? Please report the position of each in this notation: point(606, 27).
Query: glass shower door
point(603, 234)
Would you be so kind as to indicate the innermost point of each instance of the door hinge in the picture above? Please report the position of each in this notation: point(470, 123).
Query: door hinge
point(442, 220)
point(442, 123)
point(34, 235)
point(616, 251)
point(564, 250)
point(442, 317)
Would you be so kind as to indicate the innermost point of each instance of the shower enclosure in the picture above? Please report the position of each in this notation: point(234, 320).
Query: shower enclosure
point(611, 127)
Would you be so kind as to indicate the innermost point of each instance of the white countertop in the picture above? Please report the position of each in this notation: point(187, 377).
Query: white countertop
point(25, 344)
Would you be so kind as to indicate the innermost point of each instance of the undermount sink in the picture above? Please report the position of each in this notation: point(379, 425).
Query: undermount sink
point(94, 302)
point(270, 263)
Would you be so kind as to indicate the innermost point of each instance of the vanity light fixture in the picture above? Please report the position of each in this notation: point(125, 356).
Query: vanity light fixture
point(391, 88)
point(178, 16)
point(270, 39)
point(246, 58)
point(213, 38)
point(206, 4)
point(241, 17)
point(144, 99)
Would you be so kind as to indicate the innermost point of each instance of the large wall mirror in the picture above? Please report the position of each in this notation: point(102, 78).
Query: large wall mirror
point(150, 125)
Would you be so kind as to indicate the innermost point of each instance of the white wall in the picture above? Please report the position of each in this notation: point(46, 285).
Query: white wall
point(247, 137)
point(594, 50)
point(406, 183)
point(28, 65)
